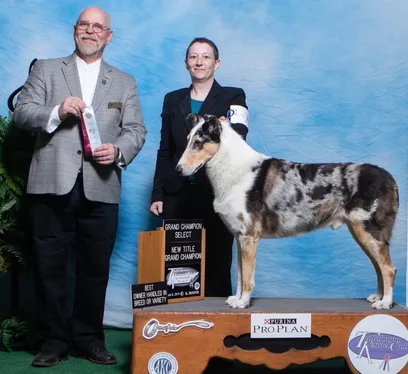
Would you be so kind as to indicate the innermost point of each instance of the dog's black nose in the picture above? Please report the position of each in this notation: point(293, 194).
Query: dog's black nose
point(178, 169)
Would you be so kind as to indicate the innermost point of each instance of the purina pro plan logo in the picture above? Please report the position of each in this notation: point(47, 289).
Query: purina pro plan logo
point(281, 325)
point(379, 344)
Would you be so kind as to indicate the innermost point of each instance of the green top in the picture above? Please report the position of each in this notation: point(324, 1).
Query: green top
point(196, 105)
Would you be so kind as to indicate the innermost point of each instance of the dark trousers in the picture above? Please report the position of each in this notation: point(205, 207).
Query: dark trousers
point(196, 201)
point(59, 223)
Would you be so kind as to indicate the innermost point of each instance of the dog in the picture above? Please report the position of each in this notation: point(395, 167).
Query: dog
point(258, 196)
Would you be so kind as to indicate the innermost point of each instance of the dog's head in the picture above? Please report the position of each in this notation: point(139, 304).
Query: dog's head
point(202, 143)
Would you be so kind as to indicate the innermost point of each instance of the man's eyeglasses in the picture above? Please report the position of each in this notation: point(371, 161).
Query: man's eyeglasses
point(96, 27)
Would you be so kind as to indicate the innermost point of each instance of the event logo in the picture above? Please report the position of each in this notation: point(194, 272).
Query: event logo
point(379, 343)
point(230, 113)
point(182, 276)
point(163, 363)
point(153, 327)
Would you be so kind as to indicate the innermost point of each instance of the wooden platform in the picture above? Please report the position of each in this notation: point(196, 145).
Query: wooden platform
point(193, 347)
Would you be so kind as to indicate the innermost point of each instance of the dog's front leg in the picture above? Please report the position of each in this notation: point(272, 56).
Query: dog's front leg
point(238, 293)
point(247, 246)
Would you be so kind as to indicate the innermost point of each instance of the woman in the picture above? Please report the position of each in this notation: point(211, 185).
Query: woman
point(180, 197)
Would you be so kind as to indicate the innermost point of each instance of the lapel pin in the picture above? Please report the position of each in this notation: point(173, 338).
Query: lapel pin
point(104, 82)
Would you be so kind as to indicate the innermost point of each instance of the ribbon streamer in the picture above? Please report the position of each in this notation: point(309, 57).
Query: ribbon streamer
point(385, 365)
point(90, 131)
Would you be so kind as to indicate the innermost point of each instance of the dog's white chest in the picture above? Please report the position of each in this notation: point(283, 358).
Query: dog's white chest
point(232, 208)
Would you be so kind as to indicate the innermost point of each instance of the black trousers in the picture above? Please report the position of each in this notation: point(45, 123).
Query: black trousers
point(196, 201)
point(59, 223)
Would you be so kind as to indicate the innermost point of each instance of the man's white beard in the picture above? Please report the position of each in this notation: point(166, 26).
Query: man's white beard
point(87, 50)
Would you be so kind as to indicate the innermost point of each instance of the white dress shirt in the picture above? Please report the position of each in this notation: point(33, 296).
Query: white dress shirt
point(88, 75)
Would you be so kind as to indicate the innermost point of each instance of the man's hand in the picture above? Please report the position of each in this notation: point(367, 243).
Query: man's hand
point(71, 106)
point(157, 208)
point(105, 154)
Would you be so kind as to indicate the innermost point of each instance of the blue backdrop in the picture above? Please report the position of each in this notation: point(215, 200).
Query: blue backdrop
point(325, 81)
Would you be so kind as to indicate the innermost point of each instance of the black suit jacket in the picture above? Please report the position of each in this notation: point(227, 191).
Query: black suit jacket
point(174, 131)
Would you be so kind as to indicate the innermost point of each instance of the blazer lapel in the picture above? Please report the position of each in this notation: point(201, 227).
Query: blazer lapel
point(102, 84)
point(210, 100)
point(185, 106)
point(70, 71)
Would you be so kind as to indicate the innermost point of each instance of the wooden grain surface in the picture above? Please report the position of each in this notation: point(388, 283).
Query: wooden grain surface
point(194, 347)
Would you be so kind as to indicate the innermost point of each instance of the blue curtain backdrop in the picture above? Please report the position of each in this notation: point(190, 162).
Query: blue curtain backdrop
point(325, 81)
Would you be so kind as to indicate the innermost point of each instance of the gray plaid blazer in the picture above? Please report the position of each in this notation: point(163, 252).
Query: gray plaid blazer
point(58, 156)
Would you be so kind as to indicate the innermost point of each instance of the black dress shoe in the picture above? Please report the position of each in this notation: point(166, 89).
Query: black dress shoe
point(48, 359)
point(101, 356)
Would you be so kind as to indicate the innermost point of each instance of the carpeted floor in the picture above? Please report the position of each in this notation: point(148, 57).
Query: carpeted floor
point(120, 342)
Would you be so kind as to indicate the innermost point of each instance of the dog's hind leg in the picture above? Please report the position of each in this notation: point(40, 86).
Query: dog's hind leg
point(238, 292)
point(247, 246)
point(378, 252)
point(380, 286)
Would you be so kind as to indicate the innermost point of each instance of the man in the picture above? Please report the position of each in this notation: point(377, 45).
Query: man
point(74, 196)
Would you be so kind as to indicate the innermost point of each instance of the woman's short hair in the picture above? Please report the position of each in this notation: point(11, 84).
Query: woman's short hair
point(207, 41)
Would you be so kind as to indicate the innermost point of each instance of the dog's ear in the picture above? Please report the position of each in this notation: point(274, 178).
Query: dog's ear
point(209, 117)
point(212, 127)
point(192, 119)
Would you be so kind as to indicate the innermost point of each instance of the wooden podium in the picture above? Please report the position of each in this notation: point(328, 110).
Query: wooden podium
point(174, 253)
point(184, 337)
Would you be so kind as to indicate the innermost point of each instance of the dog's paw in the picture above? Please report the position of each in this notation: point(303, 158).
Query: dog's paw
point(231, 300)
point(382, 304)
point(236, 303)
point(374, 297)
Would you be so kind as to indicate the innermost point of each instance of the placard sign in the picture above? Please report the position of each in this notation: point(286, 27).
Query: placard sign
point(149, 294)
point(183, 257)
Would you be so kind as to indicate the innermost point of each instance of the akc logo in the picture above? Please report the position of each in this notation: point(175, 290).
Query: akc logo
point(379, 343)
point(163, 363)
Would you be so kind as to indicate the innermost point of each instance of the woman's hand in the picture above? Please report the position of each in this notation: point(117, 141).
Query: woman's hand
point(157, 208)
